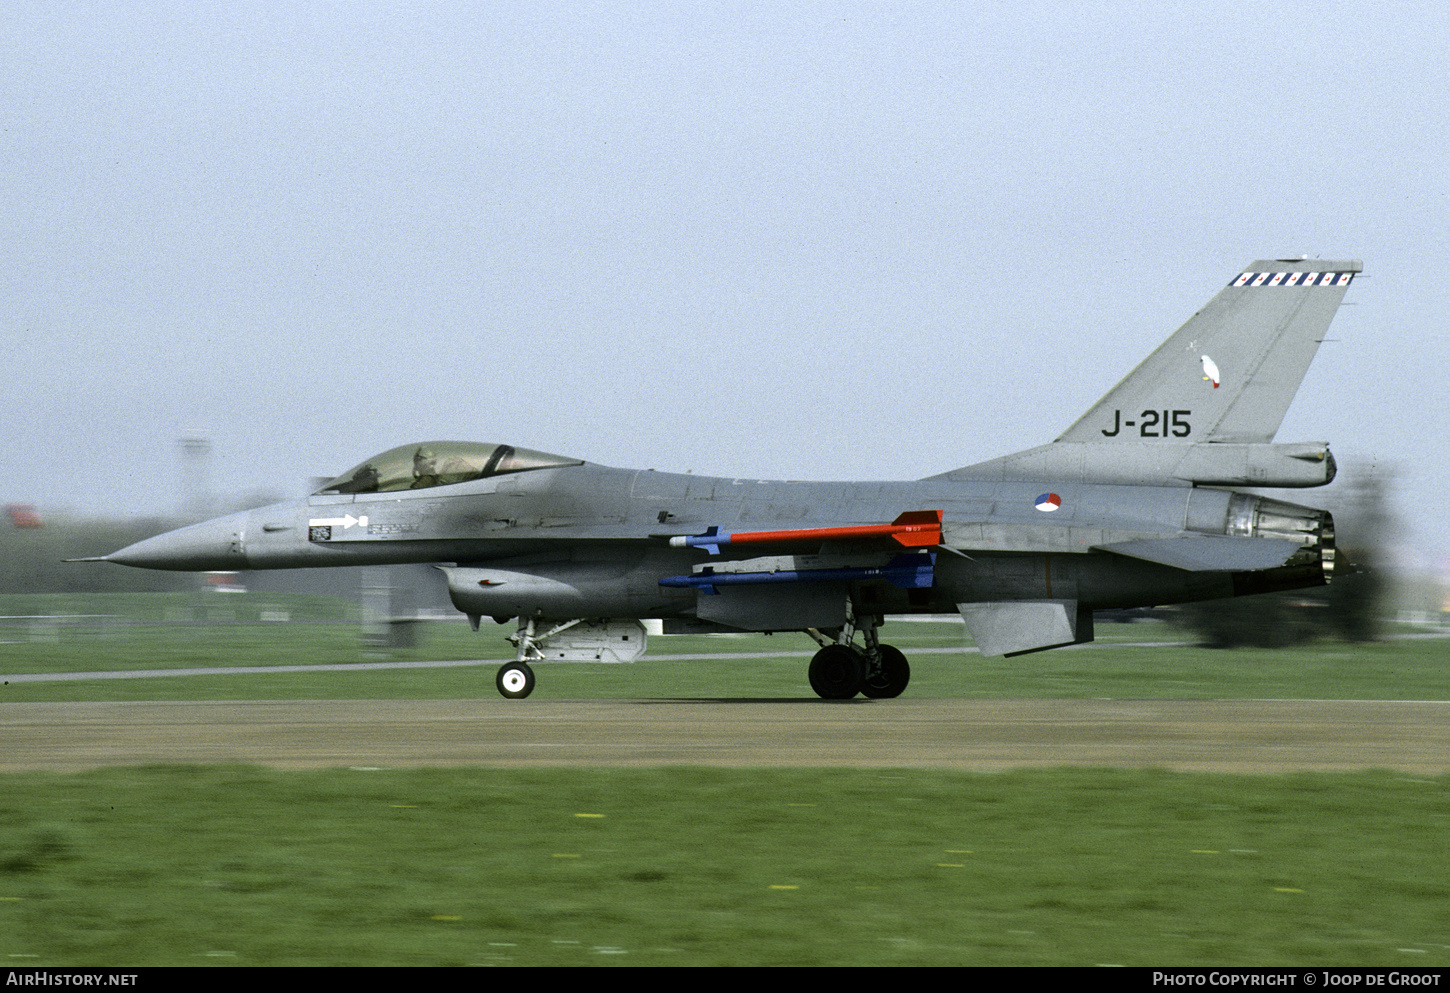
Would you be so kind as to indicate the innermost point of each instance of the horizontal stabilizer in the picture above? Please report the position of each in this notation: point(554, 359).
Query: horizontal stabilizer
point(913, 529)
point(1210, 554)
point(1015, 627)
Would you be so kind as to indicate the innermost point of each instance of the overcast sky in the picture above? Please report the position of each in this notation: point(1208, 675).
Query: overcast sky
point(804, 240)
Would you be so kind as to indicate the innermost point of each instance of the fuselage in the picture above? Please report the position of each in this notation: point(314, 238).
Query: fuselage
point(587, 539)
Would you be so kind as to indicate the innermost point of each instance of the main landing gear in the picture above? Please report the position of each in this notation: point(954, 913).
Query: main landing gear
point(840, 670)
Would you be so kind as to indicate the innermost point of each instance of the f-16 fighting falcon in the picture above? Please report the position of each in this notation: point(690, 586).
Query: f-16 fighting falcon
point(1133, 505)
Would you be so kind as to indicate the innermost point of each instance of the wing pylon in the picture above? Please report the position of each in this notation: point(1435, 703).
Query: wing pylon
point(909, 571)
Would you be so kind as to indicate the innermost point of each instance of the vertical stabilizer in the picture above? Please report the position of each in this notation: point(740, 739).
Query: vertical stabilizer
point(1229, 374)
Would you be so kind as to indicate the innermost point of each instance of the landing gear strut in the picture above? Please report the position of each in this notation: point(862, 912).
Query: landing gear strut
point(840, 670)
point(890, 678)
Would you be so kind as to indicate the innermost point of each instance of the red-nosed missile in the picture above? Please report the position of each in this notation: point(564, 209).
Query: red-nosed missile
point(913, 529)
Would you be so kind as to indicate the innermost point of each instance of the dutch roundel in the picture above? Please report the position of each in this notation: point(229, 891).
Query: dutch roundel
point(1048, 502)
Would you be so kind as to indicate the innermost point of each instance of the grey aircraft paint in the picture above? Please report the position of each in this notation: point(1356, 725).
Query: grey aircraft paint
point(1131, 506)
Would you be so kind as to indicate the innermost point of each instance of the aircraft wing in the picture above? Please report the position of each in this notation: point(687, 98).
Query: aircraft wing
point(778, 558)
point(1191, 552)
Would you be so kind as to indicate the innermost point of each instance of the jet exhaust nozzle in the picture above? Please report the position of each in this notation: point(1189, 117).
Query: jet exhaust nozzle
point(1311, 529)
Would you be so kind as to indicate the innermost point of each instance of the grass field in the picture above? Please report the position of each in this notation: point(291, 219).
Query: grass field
point(194, 865)
point(240, 866)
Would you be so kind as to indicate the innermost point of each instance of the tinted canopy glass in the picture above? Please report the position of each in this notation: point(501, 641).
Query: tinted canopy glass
point(439, 463)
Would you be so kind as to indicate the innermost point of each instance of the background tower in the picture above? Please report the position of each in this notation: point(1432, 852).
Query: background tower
point(196, 467)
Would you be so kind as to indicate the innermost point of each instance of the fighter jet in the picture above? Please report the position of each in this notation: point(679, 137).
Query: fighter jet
point(1133, 505)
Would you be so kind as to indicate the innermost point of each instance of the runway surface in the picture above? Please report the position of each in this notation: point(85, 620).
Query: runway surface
point(1253, 736)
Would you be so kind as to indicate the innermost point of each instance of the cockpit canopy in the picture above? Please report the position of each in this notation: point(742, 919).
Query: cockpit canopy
point(439, 463)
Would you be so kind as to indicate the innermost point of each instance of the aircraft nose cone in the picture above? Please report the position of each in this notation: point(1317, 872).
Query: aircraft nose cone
point(218, 544)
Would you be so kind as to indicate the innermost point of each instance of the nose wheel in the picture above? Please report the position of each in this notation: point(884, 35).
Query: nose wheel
point(515, 680)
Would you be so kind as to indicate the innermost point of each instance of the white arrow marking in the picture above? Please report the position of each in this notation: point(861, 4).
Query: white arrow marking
point(344, 522)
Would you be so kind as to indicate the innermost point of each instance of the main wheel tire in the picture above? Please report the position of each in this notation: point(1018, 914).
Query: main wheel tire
point(515, 680)
point(836, 672)
point(895, 673)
